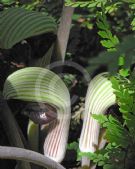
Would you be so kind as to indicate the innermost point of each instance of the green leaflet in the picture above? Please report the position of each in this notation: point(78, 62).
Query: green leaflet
point(125, 93)
point(111, 59)
point(109, 41)
point(110, 6)
point(18, 24)
point(102, 119)
point(124, 98)
point(73, 146)
point(88, 4)
point(115, 132)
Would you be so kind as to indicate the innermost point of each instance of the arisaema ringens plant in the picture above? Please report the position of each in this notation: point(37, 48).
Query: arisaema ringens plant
point(48, 103)
point(99, 98)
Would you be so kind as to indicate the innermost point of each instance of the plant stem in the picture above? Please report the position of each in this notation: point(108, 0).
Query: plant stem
point(12, 129)
point(63, 32)
point(29, 156)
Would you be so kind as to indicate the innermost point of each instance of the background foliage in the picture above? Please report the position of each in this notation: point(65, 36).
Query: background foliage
point(102, 39)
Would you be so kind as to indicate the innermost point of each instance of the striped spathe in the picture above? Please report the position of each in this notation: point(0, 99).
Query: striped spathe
point(99, 98)
point(34, 84)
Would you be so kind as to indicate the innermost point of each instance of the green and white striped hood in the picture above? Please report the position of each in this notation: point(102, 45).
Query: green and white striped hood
point(35, 84)
point(99, 98)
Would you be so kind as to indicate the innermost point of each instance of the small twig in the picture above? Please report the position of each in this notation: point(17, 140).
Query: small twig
point(29, 156)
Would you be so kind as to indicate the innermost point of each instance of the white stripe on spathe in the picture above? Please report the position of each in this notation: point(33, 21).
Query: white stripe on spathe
point(55, 141)
point(99, 98)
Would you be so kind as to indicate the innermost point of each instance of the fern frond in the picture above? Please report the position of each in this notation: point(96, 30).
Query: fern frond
point(109, 40)
point(110, 6)
point(124, 97)
point(115, 132)
point(88, 4)
point(111, 59)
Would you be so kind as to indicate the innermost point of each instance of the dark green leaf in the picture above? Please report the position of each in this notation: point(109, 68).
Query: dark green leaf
point(18, 24)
